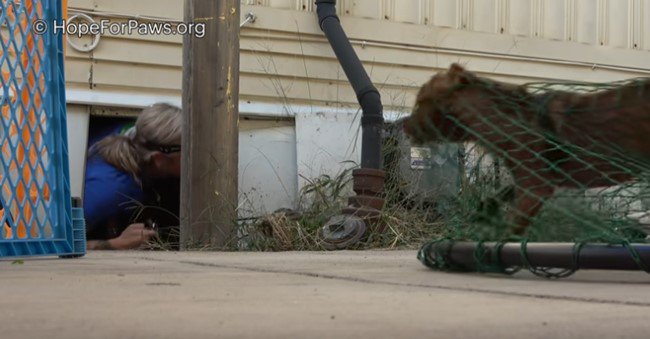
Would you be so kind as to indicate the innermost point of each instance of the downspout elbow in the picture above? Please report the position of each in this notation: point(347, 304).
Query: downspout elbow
point(326, 9)
point(370, 100)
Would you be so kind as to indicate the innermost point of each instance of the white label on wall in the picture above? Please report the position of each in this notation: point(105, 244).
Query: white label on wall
point(420, 158)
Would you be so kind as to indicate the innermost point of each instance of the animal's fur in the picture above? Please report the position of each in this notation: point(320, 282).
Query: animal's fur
point(550, 140)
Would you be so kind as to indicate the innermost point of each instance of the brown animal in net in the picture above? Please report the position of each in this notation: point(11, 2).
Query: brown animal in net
point(547, 138)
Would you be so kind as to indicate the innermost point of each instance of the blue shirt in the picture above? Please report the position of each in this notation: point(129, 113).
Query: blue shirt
point(110, 196)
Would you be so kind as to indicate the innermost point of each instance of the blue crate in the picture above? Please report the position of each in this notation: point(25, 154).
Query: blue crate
point(37, 217)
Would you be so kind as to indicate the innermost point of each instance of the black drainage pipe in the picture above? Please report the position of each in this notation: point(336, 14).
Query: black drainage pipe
point(463, 256)
point(372, 119)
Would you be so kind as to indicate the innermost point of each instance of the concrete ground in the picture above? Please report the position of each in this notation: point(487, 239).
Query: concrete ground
point(307, 295)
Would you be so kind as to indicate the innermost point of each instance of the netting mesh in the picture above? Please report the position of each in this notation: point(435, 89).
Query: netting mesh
point(565, 162)
point(26, 136)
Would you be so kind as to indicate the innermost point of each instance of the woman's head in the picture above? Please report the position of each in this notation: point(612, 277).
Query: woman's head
point(151, 148)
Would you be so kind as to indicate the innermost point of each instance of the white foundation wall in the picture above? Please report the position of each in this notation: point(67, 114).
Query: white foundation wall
point(78, 119)
point(267, 160)
point(303, 115)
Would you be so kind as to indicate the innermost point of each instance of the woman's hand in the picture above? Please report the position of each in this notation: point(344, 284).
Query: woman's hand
point(132, 237)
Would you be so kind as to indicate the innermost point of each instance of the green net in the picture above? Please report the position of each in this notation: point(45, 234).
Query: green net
point(541, 162)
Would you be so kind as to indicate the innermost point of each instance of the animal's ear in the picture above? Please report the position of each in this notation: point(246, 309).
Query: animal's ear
point(456, 69)
point(459, 75)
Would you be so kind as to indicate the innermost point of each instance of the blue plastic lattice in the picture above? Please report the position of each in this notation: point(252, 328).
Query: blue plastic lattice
point(37, 217)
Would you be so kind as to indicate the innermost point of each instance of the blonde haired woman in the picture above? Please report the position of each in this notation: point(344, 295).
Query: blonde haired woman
point(119, 170)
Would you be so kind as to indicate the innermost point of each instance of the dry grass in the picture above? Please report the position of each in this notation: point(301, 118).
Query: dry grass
point(405, 226)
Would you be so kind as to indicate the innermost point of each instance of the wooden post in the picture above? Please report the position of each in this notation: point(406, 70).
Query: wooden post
point(210, 125)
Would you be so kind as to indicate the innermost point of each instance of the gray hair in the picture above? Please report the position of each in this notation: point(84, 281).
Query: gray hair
point(159, 124)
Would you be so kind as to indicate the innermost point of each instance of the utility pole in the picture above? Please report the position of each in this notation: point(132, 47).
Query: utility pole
point(210, 125)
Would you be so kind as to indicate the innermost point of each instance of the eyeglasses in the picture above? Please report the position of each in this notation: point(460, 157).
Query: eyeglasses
point(169, 148)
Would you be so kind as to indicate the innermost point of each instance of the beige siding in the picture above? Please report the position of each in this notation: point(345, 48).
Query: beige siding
point(285, 58)
point(619, 23)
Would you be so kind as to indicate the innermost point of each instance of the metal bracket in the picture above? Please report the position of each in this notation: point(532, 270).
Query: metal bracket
point(96, 38)
point(250, 18)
